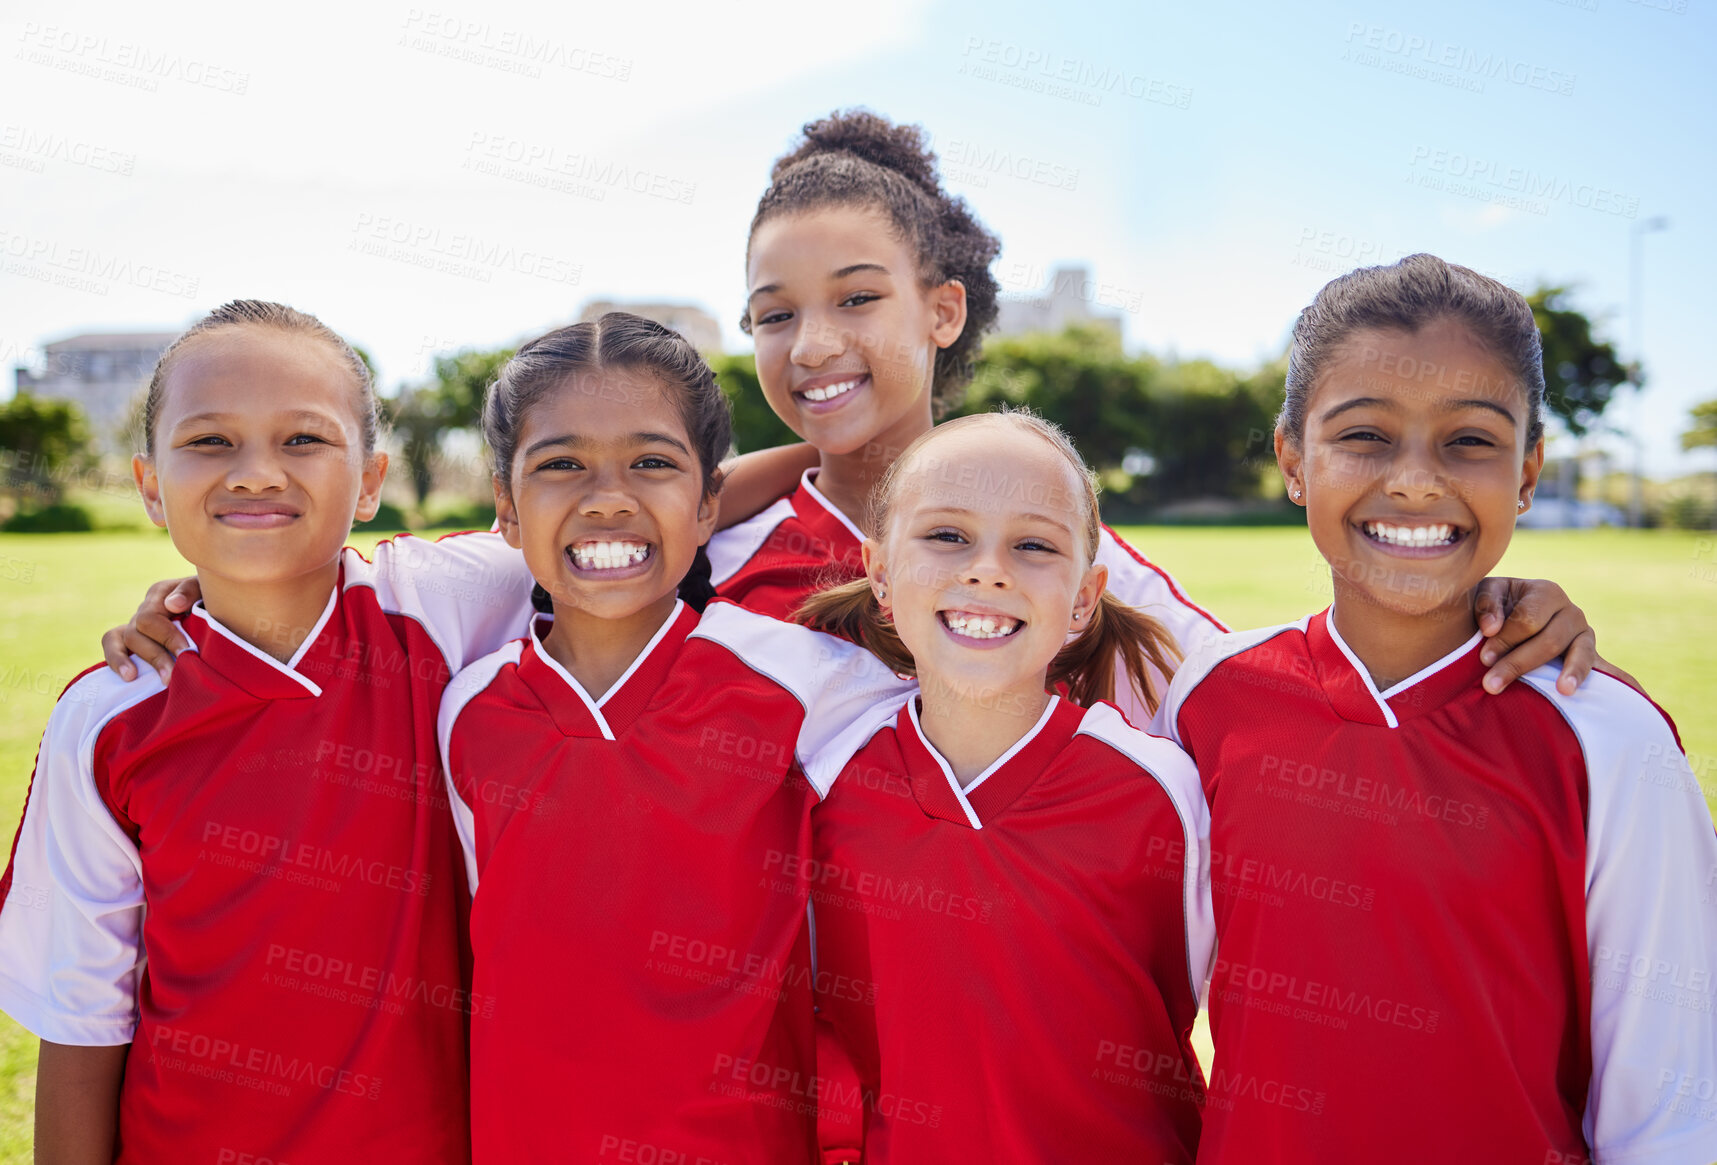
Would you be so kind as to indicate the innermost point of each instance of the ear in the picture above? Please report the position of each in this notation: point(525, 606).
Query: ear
point(1530, 469)
point(876, 570)
point(1089, 594)
point(1290, 459)
point(370, 489)
point(506, 513)
point(149, 485)
point(948, 312)
point(709, 513)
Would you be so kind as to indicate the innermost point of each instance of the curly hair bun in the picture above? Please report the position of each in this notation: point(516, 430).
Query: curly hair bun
point(863, 134)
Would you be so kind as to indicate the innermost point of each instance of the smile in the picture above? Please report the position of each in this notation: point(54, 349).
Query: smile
point(828, 392)
point(614, 555)
point(1430, 537)
point(973, 626)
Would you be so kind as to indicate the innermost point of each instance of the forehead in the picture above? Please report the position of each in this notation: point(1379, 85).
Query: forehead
point(601, 402)
point(250, 368)
point(815, 243)
point(1441, 362)
point(992, 469)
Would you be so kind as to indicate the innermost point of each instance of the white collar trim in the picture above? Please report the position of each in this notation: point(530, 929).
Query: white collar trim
point(816, 495)
point(594, 707)
point(1417, 677)
point(290, 667)
point(963, 795)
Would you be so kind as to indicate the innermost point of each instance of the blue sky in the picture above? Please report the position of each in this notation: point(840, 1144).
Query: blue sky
point(429, 177)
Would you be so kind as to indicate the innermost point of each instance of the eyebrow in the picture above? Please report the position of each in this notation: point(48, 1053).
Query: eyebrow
point(295, 414)
point(1034, 515)
point(1448, 406)
point(841, 273)
point(574, 441)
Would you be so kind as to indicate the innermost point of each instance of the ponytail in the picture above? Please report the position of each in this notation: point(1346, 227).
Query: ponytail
point(850, 610)
point(1117, 631)
point(696, 589)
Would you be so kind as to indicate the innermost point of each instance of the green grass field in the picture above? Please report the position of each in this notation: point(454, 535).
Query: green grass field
point(1652, 596)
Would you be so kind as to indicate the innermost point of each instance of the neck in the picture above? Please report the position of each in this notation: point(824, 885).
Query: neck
point(972, 727)
point(1394, 645)
point(273, 617)
point(596, 651)
point(848, 479)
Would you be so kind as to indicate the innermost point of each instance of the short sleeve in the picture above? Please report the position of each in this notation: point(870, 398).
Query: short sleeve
point(71, 917)
point(471, 592)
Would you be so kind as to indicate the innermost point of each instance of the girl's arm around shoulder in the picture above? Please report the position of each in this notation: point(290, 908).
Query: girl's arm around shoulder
point(71, 901)
point(751, 481)
point(1651, 929)
point(471, 592)
point(458, 761)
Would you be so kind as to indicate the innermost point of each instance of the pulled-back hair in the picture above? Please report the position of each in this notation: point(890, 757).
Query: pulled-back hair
point(262, 313)
point(1407, 296)
point(855, 158)
point(574, 358)
point(1086, 665)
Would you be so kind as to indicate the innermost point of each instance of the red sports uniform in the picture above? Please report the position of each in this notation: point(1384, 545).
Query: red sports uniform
point(1013, 968)
point(251, 876)
point(1451, 926)
point(639, 919)
point(802, 543)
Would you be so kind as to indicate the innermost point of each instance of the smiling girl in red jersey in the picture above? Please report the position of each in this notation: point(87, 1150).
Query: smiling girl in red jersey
point(628, 786)
point(239, 892)
point(1011, 926)
point(869, 290)
point(1452, 926)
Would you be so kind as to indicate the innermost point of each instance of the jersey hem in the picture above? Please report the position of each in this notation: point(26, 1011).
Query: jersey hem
point(36, 1016)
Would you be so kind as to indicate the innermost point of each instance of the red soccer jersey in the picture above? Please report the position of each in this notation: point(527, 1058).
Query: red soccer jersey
point(639, 919)
point(1013, 968)
point(1451, 926)
point(251, 876)
point(802, 543)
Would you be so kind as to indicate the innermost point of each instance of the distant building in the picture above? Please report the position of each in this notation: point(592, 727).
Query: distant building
point(102, 372)
point(1071, 298)
point(689, 320)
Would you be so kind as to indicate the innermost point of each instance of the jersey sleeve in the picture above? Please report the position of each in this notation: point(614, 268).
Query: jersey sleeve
point(836, 682)
point(71, 902)
point(1651, 930)
point(1141, 584)
point(462, 782)
point(471, 592)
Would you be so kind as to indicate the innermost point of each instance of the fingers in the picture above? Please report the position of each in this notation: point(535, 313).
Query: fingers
point(1578, 662)
point(113, 650)
point(1556, 637)
point(1491, 605)
point(184, 595)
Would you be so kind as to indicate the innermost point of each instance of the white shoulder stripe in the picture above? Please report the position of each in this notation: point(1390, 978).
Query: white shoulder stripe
point(1174, 771)
point(730, 549)
point(825, 766)
point(463, 688)
point(1198, 666)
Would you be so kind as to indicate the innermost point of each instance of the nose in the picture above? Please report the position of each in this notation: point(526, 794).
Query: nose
point(1416, 474)
point(256, 468)
point(608, 496)
point(816, 340)
point(987, 567)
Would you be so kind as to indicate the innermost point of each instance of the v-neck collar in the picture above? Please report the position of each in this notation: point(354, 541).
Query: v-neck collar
point(998, 786)
point(249, 668)
point(817, 511)
point(1354, 696)
point(573, 710)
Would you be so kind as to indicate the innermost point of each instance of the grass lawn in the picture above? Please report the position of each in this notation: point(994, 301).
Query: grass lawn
point(1652, 596)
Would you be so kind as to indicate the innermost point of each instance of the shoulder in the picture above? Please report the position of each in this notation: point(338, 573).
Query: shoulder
point(474, 680)
point(1619, 730)
point(96, 695)
point(793, 655)
point(824, 767)
point(1232, 650)
point(1160, 758)
point(730, 549)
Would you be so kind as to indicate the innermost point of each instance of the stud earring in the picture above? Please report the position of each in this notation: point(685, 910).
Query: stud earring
point(1296, 494)
point(1520, 505)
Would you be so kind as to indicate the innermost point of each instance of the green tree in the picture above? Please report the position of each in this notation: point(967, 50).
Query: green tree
point(755, 425)
point(452, 399)
point(1703, 434)
point(1581, 373)
point(43, 442)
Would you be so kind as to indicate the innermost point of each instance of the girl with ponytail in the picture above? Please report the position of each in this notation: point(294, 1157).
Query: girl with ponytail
point(1012, 929)
point(626, 783)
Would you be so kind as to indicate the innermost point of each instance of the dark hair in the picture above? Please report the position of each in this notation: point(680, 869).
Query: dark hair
point(1117, 632)
point(1406, 296)
point(855, 158)
point(557, 360)
point(262, 313)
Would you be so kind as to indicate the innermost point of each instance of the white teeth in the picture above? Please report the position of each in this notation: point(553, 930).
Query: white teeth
point(831, 391)
point(980, 626)
point(609, 555)
point(1439, 535)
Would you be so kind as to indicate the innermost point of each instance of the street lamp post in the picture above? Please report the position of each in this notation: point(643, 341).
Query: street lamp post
point(1636, 254)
